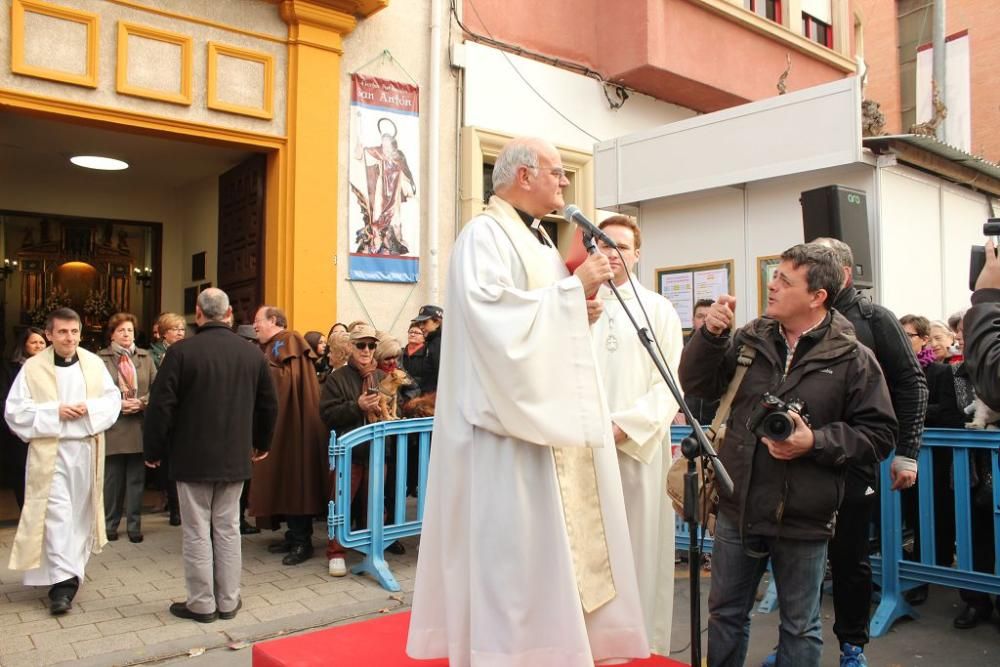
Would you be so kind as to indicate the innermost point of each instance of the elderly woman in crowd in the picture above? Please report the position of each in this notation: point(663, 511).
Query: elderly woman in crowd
point(338, 349)
point(388, 355)
point(942, 343)
point(30, 342)
point(124, 473)
point(172, 328)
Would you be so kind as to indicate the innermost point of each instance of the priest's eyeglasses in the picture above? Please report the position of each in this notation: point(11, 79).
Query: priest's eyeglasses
point(371, 345)
point(558, 172)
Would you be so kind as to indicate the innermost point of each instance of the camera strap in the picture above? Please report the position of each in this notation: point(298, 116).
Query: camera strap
point(744, 357)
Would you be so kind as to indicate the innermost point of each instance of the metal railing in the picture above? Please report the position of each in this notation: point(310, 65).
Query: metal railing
point(384, 525)
point(896, 575)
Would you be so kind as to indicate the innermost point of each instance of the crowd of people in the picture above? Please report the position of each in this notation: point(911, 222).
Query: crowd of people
point(229, 426)
point(550, 442)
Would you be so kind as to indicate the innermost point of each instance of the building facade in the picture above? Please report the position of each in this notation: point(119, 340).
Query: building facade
point(235, 117)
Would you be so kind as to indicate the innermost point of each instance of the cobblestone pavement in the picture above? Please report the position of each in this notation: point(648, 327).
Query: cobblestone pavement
point(120, 615)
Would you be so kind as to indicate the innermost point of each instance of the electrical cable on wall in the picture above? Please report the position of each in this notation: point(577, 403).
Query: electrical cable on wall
point(620, 92)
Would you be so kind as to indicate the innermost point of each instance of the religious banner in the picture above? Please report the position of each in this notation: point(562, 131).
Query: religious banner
point(383, 222)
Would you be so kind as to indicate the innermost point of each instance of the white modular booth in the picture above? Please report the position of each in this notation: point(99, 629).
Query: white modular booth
point(717, 197)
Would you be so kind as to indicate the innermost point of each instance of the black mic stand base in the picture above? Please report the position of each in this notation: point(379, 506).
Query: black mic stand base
point(692, 451)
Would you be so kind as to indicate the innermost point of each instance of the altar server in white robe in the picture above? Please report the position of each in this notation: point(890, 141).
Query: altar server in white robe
point(61, 403)
point(525, 558)
point(642, 409)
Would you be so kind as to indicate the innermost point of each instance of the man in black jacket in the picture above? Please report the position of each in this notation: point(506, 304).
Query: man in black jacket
point(349, 399)
point(880, 331)
point(786, 492)
point(211, 413)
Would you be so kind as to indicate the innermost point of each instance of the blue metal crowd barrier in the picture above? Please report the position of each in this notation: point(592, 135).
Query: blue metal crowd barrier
point(382, 528)
point(895, 575)
point(898, 575)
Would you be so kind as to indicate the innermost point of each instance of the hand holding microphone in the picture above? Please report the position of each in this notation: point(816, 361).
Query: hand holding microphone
point(594, 271)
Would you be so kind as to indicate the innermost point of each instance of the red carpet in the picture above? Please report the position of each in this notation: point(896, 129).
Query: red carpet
point(379, 642)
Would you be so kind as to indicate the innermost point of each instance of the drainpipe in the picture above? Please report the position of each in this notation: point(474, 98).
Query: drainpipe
point(938, 43)
point(433, 154)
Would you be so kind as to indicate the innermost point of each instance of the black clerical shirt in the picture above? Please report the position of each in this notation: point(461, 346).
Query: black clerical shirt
point(529, 220)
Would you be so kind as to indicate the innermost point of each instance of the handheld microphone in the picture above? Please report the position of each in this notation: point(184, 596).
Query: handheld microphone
point(576, 215)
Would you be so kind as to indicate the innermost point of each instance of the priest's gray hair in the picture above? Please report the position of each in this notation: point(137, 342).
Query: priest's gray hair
point(516, 153)
point(214, 303)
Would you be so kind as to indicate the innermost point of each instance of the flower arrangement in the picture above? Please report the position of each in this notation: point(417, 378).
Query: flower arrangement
point(58, 297)
point(98, 306)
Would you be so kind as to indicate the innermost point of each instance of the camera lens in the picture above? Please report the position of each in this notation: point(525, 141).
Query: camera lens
point(778, 426)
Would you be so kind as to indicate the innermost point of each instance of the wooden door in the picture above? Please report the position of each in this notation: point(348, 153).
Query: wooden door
point(241, 236)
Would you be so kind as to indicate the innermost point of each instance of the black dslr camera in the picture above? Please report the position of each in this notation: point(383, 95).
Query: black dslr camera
point(770, 419)
point(978, 259)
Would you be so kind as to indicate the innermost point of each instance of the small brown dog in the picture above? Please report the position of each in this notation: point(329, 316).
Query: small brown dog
point(388, 394)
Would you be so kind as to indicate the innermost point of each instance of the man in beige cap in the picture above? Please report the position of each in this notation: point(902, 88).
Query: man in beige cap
point(349, 400)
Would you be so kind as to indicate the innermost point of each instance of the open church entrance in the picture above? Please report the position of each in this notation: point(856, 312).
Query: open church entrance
point(185, 214)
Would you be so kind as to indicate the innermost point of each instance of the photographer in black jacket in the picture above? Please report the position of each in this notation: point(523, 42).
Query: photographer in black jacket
point(786, 492)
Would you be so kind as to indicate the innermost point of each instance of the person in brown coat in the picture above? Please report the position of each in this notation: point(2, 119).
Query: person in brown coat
point(133, 371)
point(291, 484)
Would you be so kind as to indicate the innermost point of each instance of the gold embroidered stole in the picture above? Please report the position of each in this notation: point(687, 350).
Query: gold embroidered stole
point(575, 469)
point(40, 374)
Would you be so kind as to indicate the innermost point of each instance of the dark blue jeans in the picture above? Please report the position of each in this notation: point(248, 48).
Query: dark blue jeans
point(737, 566)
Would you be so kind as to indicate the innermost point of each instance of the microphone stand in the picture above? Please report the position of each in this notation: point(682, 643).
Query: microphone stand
point(694, 446)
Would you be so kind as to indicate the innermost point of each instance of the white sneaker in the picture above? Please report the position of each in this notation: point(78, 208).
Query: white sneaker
point(338, 567)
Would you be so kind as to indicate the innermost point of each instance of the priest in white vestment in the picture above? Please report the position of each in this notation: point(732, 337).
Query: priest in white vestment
point(642, 409)
point(525, 559)
point(61, 403)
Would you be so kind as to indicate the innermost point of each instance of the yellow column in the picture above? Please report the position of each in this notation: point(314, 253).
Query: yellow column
point(301, 275)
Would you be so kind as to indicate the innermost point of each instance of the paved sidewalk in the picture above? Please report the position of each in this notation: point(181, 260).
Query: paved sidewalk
point(120, 615)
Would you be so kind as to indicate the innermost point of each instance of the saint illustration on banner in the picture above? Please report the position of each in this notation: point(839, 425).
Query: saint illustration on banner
point(383, 213)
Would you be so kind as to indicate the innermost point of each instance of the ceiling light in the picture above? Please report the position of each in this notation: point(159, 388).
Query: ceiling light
point(98, 162)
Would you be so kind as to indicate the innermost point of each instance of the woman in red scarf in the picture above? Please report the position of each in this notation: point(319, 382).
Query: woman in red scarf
point(124, 473)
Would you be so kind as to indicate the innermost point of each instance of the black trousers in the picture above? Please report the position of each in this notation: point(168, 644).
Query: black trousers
point(300, 529)
point(852, 569)
point(982, 557)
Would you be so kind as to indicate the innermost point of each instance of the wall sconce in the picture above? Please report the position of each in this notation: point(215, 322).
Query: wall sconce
point(8, 267)
point(143, 277)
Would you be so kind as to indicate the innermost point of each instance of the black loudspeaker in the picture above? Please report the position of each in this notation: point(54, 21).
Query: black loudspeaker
point(841, 213)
